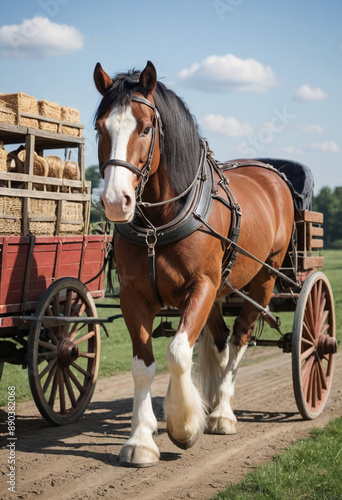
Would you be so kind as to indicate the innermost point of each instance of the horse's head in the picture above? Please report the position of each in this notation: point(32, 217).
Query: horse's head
point(126, 123)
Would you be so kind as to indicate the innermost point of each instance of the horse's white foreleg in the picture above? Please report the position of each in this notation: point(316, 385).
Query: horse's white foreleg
point(140, 450)
point(183, 407)
point(222, 419)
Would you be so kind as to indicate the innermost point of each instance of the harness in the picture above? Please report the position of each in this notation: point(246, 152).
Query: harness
point(195, 212)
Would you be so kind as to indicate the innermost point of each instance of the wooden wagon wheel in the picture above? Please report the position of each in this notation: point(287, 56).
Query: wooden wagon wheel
point(63, 358)
point(313, 345)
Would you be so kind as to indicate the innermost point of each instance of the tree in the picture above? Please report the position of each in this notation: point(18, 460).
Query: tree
point(330, 204)
point(93, 175)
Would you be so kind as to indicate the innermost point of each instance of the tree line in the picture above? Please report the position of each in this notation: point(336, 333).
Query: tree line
point(329, 202)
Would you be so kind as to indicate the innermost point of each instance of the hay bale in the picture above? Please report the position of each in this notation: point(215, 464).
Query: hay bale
point(22, 102)
point(42, 209)
point(7, 115)
point(10, 227)
point(56, 166)
point(71, 170)
point(52, 110)
point(72, 211)
point(10, 215)
point(70, 115)
point(11, 206)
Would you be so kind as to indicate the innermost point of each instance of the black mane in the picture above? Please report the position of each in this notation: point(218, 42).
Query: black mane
point(181, 148)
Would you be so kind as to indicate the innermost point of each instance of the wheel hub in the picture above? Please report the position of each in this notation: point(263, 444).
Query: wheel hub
point(68, 352)
point(326, 345)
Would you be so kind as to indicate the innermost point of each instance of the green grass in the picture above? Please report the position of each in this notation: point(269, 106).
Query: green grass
point(309, 469)
point(116, 351)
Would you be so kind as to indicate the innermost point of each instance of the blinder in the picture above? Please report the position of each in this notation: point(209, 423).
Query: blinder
point(144, 173)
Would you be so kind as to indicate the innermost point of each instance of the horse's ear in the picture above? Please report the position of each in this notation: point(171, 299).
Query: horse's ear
point(101, 79)
point(148, 77)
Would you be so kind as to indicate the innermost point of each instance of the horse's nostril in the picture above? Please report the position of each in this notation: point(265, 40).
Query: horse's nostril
point(128, 201)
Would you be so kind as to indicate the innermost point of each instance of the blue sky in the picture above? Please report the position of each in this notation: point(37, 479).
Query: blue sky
point(263, 78)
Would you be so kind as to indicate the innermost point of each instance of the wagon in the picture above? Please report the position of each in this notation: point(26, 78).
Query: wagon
point(51, 269)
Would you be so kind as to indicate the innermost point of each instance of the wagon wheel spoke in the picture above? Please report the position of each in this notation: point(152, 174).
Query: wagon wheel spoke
point(69, 388)
point(306, 374)
point(77, 327)
point(85, 337)
point(323, 326)
point(61, 392)
point(75, 379)
point(53, 393)
point(80, 369)
point(50, 368)
point(308, 332)
point(321, 374)
point(89, 355)
point(307, 353)
point(309, 317)
point(67, 310)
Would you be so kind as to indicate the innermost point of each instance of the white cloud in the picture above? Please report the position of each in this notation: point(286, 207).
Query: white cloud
point(38, 38)
point(229, 126)
point(307, 93)
point(325, 147)
point(224, 73)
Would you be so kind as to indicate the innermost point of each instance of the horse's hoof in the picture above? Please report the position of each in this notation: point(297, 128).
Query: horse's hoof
point(221, 425)
point(184, 445)
point(138, 456)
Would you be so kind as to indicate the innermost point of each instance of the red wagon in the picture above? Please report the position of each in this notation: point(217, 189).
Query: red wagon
point(51, 268)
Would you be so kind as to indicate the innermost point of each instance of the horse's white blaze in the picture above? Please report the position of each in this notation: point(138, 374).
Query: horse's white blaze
point(183, 406)
point(118, 188)
point(141, 447)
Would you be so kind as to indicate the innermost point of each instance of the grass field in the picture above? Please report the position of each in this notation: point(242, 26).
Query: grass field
point(309, 469)
point(116, 351)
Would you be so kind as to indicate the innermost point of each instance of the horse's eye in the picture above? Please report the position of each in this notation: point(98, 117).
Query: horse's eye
point(147, 130)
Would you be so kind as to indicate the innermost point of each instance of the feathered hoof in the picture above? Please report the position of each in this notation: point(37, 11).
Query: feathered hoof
point(220, 425)
point(184, 445)
point(138, 456)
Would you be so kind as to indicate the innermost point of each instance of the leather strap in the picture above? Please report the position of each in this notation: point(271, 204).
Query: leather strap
point(120, 163)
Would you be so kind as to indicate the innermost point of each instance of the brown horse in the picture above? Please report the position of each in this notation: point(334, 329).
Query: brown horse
point(153, 163)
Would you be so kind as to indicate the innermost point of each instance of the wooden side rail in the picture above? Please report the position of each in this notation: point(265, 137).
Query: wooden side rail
point(309, 239)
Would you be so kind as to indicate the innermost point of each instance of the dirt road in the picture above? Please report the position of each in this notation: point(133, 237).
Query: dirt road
point(80, 461)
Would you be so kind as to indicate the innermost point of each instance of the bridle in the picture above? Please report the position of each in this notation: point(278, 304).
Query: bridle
point(144, 173)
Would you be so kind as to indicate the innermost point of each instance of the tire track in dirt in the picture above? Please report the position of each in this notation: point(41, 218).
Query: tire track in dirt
point(80, 461)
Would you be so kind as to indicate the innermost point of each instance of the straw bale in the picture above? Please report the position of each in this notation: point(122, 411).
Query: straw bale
point(76, 132)
point(71, 170)
point(7, 115)
point(56, 166)
point(42, 228)
point(26, 103)
point(72, 211)
point(10, 227)
point(42, 207)
point(70, 115)
point(11, 206)
point(52, 110)
point(22, 102)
